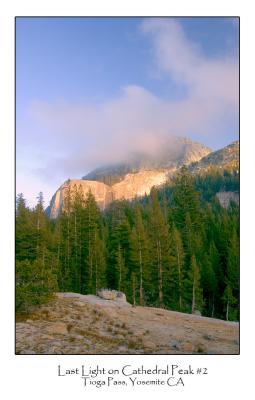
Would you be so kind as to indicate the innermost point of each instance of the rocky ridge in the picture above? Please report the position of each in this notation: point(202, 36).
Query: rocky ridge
point(133, 179)
point(172, 154)
point(146, 173)
point(86, 324)
point(226, 157)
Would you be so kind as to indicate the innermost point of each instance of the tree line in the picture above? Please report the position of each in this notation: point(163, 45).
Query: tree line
point(172, 249)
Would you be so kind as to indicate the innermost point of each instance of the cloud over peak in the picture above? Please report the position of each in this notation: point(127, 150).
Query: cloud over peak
point(137, 120)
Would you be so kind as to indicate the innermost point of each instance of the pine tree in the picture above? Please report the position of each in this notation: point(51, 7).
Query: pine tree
point(209, 284)
point(139, 253)
point(41, 227)
point(120, 268)
point(159, 234)
point(91, 227)
point(66, 220)
point(229, 301)
point(118, 248)
point(233, 261)
point(194, 291)
point(35, 284)
point(100, 263)
point(25, 231)
point(177, 270)
point(76, 229)
point(186, 201)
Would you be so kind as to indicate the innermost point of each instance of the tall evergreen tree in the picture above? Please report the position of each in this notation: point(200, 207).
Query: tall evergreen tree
point(25, 231)
point(229, 302)
point(159, 236)
point(91, 228)
point(176, 285)
point(140, 254)
point(193, 289)
point(186, 201)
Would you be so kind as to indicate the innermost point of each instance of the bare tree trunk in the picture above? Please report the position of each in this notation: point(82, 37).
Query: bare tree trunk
point(212, 315)
point(68, 244)
point(38, 230)
point(141, 274)
point(76, 253)
point(96, 275)
point(179, 277)
point(134, 285)
point(120, 267)
point(193, 297)
point(160, 270)
point(90, 255)
point(80, 262)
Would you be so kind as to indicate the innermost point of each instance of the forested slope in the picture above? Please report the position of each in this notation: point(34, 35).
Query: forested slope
point(176, 249)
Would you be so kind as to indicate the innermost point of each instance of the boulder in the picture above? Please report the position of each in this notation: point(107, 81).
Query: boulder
point(121, 296)
point(108, 294)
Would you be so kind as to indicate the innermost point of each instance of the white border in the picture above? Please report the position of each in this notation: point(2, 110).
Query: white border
point(36, 376)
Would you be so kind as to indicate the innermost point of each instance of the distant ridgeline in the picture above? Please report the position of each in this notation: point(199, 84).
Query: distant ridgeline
point(173, 154)
point(135, 179)
point(176, 247)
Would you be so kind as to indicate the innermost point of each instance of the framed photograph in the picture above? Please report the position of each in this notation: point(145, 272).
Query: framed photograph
point(120, 233)
point(127, 173)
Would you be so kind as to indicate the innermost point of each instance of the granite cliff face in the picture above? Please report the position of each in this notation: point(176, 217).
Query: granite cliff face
point(139, 184)
point(133, 185)
point(102, 193)
point(136, 179)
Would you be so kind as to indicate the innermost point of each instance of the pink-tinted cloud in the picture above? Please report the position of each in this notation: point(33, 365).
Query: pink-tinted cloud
point(177, 56)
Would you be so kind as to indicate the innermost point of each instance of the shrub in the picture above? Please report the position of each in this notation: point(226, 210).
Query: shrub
point(35, 284)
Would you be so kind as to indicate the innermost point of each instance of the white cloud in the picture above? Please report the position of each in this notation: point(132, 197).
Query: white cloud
point(183, 60)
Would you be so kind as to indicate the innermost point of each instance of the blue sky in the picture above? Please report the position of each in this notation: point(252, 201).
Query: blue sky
point(92, 90)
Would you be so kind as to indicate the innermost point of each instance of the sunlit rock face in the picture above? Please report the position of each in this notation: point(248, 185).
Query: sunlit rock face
point(138, 185)
point(172, 154)
point(102, 193)
point(134, 178)
point(133, 185)
point(228, 157)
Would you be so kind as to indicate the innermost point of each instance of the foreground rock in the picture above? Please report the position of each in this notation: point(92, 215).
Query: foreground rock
point(107, 294)
point(79, 324)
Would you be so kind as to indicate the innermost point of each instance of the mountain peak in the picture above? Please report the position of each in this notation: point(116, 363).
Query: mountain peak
point(136, 178)
point(173, 153)
point(228, 157)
